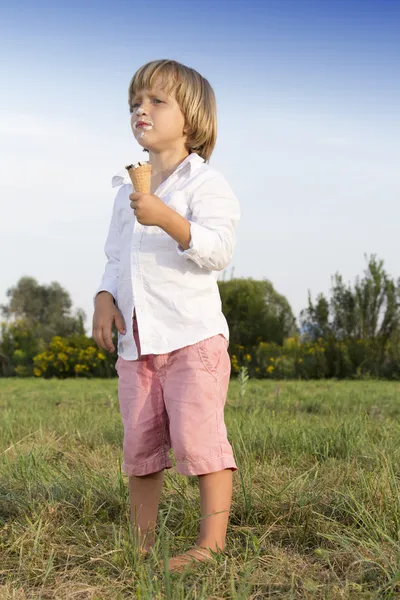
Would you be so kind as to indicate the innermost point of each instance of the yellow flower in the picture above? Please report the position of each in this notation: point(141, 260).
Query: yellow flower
point(300, 360)
point(290, 343)
point(272, 359)
point(270, 369)
point(37, 372)
point(247, 357)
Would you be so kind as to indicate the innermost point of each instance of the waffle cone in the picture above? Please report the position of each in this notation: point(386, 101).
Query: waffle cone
point(141, 178)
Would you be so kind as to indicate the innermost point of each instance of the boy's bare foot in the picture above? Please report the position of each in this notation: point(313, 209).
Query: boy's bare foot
point(145, 551)
point(195, 555)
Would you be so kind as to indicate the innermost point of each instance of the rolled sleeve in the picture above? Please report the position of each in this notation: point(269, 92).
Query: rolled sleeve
point(109, 282)
point(107, 286)
point(215, 215)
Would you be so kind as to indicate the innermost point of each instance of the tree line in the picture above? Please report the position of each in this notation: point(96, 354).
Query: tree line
point(353, 333)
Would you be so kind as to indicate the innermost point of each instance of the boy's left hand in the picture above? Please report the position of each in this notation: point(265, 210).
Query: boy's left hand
point(148, 209)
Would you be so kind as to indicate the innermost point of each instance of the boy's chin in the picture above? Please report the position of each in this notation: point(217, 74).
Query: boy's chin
point(145, 145)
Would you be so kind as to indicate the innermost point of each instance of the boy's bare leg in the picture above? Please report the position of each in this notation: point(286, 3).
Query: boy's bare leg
point(215, 504)
point(144, 493)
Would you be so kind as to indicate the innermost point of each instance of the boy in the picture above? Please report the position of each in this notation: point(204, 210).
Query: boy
point(164, 252)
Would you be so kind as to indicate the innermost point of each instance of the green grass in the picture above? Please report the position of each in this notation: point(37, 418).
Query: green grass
point(316, 508)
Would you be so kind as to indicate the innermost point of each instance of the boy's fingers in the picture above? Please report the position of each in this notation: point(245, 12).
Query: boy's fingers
point(96, 335)
point(107, 337)
point(99, 339)
point(120, 323)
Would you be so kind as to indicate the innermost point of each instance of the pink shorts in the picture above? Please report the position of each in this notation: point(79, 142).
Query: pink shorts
point(177, 401)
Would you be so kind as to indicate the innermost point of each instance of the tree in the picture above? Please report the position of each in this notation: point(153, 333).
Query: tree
point(369, 311)
point(315, 319)
point(44, 308)
point(256, 312)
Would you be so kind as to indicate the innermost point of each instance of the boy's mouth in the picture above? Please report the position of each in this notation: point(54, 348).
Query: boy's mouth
point(143, 124)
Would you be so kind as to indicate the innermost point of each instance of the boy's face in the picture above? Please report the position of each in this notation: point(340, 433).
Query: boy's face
point(157, 121)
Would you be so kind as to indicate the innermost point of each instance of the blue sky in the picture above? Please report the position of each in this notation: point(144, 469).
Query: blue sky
point(308, 93)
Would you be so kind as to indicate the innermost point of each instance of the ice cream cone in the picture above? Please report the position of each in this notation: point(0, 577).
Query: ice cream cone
point(140, 175)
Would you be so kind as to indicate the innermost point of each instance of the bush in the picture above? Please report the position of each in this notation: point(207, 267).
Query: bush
point(76, 356)
point(19, 344)
point(323, 358)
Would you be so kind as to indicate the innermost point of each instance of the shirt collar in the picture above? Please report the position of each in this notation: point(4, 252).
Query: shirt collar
point(191, 162)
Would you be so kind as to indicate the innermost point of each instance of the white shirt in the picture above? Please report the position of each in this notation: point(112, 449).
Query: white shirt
point(174, 292)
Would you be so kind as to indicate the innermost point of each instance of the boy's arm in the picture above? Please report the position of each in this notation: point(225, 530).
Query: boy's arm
point(109, 282)
point(177, 227)
point(106, 312)
point(209, 238)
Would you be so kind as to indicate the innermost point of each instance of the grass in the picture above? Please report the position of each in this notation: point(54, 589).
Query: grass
point(316, 508)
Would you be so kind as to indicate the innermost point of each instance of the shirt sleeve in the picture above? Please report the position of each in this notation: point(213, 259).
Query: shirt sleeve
point(109, 282)
point(215, 215)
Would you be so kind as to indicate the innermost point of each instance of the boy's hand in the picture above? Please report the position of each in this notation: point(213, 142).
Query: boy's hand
point(105, 314)
point(148, 209)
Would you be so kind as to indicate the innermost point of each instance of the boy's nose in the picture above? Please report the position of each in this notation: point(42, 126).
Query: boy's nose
point(140, 111)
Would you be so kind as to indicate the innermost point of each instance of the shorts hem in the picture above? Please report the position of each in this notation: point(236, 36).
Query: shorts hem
point(147, 468)
point(205, 467)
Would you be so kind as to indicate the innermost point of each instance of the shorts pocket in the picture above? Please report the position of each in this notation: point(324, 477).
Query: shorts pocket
point(214, 355)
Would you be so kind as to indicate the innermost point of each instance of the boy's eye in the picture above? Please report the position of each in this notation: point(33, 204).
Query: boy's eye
point(156, 101)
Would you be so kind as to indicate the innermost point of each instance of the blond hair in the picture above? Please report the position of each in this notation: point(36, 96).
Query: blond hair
point(194, 95)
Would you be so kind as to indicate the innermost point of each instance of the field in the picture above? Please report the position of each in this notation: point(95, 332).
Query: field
point(316, 509)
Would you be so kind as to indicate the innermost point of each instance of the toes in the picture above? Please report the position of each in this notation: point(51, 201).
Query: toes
point(189, 558)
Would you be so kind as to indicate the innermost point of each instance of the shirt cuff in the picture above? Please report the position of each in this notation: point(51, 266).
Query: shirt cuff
point(202, 242)
point(107, 286)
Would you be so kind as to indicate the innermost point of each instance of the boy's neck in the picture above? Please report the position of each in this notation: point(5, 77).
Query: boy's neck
point(164, 164)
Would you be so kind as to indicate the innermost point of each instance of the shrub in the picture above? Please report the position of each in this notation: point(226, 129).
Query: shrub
point(76, 356)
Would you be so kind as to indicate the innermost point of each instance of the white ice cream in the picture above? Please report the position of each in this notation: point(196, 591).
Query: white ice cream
point(140, 132)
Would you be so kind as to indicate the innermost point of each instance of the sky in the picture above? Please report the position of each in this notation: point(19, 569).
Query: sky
point(308, 97)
